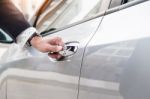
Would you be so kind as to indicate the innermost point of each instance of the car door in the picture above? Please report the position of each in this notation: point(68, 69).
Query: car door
point(103, 73)
point(40, 77)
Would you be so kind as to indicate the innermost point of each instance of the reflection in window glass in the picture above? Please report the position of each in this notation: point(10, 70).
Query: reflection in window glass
point(28, 7)
point(70, 12)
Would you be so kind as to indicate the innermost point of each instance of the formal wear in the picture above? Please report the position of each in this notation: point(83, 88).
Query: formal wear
point(13, 22)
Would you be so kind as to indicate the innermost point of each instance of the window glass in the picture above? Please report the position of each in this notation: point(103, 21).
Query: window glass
point(115, 3)
point(69, 12)
point(28, 7)
point(4, 37)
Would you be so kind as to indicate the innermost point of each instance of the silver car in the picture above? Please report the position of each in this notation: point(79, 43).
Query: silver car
point(106, 57)
point(58, 13)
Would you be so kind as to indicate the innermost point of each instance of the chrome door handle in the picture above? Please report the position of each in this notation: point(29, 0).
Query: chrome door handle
point(70, 48)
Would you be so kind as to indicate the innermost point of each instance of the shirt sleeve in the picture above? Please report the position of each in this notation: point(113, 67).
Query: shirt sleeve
point(12, 20)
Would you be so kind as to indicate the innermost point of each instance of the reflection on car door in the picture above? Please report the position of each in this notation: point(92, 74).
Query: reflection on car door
point(40, 78)
point(110, 48)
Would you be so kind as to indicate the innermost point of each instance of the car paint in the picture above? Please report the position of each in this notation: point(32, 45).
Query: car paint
point(117, 38)
point(105, 66)
point(3, 49)
point(68, 70)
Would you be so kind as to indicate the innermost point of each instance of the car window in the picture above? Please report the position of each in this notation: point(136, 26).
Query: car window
point(116, 3)
point(4, 37)
point(71, 12)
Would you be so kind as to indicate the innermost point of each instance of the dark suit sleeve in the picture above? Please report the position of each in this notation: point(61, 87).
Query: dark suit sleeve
point(12, 20)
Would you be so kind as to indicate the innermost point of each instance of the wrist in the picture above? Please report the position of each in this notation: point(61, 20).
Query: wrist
point(35, 40)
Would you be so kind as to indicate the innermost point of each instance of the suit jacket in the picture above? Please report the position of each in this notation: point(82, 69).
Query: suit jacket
point(12, 20)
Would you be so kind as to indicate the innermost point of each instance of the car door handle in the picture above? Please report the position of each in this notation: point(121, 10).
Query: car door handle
point(70, 48)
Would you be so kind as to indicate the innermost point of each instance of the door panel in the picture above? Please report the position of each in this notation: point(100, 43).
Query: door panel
point(40, 77)
point(110, 48)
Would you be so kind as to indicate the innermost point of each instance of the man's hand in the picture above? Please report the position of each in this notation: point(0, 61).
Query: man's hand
point(54, 44)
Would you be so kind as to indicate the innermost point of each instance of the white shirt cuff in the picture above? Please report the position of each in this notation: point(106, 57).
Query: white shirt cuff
point(25, 35)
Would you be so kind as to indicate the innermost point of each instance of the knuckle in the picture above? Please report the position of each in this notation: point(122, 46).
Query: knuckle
point(53, 49)
point(58, 38)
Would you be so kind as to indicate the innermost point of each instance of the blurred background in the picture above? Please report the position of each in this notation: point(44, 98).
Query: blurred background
point(58, 13)
point(28, 7)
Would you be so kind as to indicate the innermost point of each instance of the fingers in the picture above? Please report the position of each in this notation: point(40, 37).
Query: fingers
point(56, 41)
point(55, 44)
point(48, 45)
point(55, 48)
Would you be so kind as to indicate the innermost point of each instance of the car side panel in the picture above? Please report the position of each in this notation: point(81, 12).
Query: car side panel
point(111, 47)
point(41, 77)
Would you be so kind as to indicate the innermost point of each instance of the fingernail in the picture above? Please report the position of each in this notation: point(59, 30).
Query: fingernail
point(60, 48)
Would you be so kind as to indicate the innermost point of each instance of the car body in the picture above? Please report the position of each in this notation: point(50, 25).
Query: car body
point(112, 60)
point(60, 13)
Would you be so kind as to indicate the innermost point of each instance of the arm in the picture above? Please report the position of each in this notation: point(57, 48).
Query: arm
point(13, 22)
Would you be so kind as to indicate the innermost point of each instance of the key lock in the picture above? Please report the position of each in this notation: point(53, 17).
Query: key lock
point(70, 48)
